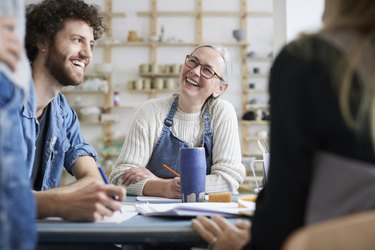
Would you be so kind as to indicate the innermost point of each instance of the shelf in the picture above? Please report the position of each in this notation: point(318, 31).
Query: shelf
point(152, 90)
point(166, 75)
point(252, 75)
point(83, 91)
point(109, 43)
point(151, 44)
point(162, 44)
point(113, 14)
point(97, 75)
point(254, 122)
point(257, 106)
point(204, 14)
point(246, 90)
point(260, 59)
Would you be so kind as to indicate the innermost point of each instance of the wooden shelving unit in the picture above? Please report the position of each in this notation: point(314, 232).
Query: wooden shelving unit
point(249, 129)
point(198, 14)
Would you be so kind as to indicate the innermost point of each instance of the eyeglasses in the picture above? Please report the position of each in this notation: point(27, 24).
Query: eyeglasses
point(206, 71)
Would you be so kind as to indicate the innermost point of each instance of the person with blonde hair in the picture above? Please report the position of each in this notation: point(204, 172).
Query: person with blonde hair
point(322, 162)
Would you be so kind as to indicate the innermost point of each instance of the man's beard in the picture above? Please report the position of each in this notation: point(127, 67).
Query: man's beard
point(55, 63)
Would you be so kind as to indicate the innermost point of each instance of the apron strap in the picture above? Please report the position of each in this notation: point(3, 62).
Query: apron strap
point(169, 119)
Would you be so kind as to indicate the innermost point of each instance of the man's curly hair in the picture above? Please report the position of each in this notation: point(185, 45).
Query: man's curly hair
point(45, 19)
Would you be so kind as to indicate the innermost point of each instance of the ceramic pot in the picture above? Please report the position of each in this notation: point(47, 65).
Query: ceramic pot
point(239, 34)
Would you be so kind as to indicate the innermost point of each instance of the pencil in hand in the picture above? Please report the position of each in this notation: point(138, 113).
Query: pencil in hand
point(171, 170)
point(106, 181)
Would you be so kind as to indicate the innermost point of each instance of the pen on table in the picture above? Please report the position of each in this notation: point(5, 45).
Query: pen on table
point(105, 179)
point(171, 170)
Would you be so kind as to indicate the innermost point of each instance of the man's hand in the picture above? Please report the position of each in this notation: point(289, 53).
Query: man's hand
point(10, 45)
point(91, 202)
point(134, 175)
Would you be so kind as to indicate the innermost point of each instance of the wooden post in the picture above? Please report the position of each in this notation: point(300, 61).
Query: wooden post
point(198, 22)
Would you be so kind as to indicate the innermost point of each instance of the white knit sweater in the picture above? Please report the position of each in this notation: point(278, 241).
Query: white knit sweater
point(227, 171)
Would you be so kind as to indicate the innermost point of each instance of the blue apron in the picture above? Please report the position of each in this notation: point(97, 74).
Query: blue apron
point(166, 150)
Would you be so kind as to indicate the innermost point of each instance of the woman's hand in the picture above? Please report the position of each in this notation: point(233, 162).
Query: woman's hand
point(134, 175)
point(169, 188)
point(173, 189)
point(221, 234)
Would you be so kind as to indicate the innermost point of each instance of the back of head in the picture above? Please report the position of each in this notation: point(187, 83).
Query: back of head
point(350, 24)
point(45, 19)
point(350, 14)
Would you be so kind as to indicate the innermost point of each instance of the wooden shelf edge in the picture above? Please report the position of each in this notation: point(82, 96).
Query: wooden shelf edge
point(113, 14)
point(148, 91)
point(166, 75)
point(109, 44)
point(205, 13)
point(260, 59)
point(253, 122)
point(82, 91)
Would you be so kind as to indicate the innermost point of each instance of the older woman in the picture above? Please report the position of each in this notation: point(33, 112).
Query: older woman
point(193, 117)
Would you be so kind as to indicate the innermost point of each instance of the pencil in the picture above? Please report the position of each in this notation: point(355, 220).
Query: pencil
point(106, 181)
point(171, 170)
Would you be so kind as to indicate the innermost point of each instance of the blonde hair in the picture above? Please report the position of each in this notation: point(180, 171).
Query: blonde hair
point(356, 17)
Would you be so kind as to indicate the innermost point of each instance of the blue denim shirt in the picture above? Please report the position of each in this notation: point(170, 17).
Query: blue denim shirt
point(17, 205)
point(64, 142)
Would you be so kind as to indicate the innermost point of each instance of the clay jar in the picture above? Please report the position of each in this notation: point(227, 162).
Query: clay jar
point(132, 36)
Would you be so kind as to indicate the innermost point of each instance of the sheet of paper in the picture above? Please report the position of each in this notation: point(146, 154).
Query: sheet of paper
point(159, 199)
point(156, 199)
point(227, 209)
point(127, 211)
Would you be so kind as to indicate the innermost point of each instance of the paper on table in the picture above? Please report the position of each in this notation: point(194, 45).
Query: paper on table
point(127, 212)
point(160, 199)
point(226, 209)
point(156, 199)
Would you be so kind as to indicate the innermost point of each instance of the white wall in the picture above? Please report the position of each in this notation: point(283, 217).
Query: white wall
point(302, 15)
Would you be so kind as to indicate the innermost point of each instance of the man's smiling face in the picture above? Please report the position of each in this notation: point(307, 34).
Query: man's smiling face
point(70, 52)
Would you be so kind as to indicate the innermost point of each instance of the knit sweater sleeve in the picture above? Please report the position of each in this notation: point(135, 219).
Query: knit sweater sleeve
point(138, 144)
point(227, 171)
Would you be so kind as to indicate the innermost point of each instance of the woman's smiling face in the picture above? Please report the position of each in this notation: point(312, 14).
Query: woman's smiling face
point(194, 84)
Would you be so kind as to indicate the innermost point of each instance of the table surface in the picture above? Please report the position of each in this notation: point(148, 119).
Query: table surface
point(137, 230)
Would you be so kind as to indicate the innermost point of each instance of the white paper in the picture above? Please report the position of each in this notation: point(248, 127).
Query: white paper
point(156, 199)
point(160, 199)
point(227, 209)
point(127, 211)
